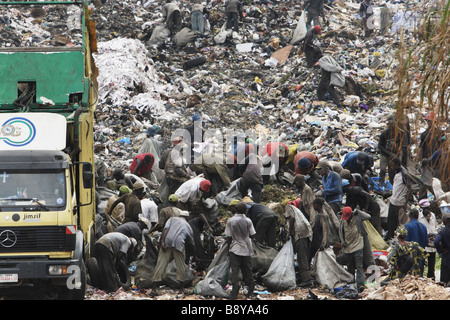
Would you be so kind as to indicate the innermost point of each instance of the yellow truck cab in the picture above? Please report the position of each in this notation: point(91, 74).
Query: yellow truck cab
point(47, 187)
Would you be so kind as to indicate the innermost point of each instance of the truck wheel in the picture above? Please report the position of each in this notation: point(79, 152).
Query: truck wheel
point(94, 273)
point(123, 275)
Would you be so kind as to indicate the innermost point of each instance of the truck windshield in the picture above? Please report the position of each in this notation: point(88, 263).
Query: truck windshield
point(43, 190)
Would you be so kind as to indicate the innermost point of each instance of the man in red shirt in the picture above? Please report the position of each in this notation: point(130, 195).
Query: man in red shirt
point(142, 164)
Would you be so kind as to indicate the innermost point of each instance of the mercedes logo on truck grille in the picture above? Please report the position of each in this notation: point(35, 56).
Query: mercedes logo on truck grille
point(8, 238)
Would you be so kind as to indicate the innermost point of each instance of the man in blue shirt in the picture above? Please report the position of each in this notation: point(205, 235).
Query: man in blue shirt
point(332, 186)
point(417, 232)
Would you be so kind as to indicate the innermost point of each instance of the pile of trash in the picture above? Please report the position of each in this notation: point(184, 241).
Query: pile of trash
point(409, 288)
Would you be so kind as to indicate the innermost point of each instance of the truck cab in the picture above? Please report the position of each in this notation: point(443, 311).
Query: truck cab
point(47, 188)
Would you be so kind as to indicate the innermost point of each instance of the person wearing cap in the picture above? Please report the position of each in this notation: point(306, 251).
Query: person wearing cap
point(132, 202)
point(307, 197)
point(239, 230)
point(149, 210)
point(314, 10)
point(442, 245)
point(312, 52)
point(142, 165)
point(352, 232)
point(401, 191)
point(115, 217)
point(213, 167)
point(357, 197)
point(111, 249)
point(331, 186)
point(357, 162)
point(402, 249)
point(300, 231)
point(168, 212)
point(428, 219)
point(305, 162)
point(176, 236)
point(191, 192)
point(265, 221)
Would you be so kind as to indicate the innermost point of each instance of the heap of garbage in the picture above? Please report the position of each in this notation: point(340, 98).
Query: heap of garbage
point(255, 78)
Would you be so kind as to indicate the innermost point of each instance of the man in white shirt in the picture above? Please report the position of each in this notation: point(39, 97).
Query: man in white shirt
point(238, 231)
point(401, 191)
point(428, 218)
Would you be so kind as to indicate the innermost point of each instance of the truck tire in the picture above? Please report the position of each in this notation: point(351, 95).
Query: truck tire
point(94, 273)
point(123, 275)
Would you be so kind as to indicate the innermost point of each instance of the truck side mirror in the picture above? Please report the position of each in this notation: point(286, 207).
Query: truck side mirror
point(88, 176)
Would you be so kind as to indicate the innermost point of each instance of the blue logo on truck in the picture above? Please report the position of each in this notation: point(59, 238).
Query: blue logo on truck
point(17, 132)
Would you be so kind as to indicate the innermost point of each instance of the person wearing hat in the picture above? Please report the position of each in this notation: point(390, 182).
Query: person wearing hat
point(357, 197)
point(357, 162)
point(305, 163)
point(351, 233)
point(307, 196)
point(168, 212)
point(191, 192)
point(115, 217)
point(312, 52)
point(142, 165)
point(176, 236)
point(442, 245)
point(132, 202)
point(405, 257)
point(111, 249)
point(331, 186)
point(428, 219)
point(239, 230)
point(355, 179)
point(300, 231)
point(213, 167)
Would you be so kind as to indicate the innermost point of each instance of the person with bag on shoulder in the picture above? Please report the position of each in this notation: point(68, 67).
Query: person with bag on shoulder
point(405, 257)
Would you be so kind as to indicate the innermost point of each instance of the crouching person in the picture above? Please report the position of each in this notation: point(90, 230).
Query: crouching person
point(110, 250)
point(176, 235)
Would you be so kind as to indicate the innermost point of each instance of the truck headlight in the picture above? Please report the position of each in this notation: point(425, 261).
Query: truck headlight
point(57, 270)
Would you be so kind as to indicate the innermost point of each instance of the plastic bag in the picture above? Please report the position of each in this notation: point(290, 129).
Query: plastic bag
point(328, 272)
point(262, 257)
point(281, 274)
point(225, 197)
point(221, 37)
point(300, 30)
point(159, 35)
point(215, 281)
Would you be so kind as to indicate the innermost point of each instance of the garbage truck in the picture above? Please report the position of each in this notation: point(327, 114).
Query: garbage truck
point(48, 96)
